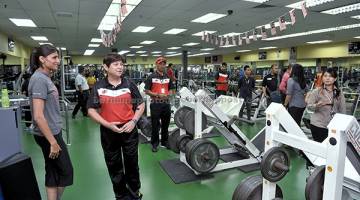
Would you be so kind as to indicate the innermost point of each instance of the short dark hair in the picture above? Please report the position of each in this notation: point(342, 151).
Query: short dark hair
point(224, 64)
point(273, 65)
point(42, 50)
point(112, 57)
point(246, 67)
point(81, 69)
point(170, 65)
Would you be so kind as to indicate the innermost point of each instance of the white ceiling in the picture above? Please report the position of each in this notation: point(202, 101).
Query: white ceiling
point(75, 31)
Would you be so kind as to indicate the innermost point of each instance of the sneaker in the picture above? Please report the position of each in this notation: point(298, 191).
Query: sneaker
point(154, 148)
point(165, 145)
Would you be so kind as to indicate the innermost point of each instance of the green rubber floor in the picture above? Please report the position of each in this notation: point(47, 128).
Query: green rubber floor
point(91, 181)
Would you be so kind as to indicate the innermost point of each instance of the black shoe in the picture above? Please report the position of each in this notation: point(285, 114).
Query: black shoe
point(154, 148)
point(165, 145)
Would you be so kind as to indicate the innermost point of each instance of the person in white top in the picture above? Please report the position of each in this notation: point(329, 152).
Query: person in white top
point(82, 92)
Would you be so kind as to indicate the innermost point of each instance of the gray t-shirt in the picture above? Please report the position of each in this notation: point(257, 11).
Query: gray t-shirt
point(41, 87)
point(297, 94)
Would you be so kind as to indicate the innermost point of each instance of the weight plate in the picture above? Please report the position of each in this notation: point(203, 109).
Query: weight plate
point(275, 164)
point(315, 184)
point(202, 155)
point(179, 116)
point(144, 124)
point(189, 123)
point(181, 142)
point(251, 189)
point(173, 139)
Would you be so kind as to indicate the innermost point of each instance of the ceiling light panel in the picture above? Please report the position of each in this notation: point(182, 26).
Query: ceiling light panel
point(63, 48)
point(96, 40)
point(147, 42)
point(123, 52)
point(191, 44)
point(89, 52)
point(319, 42)
point(356, 17)
point(141, 52)
point(42, 43)
point(136, 47)
point(143, 29)
point(171, 52)
point(23, 22)
point(230, 34)
point(357, 37)
point(242, 51)
point(156, 52)
point(144, 55)
point(130, 55)
point(107, 23)
point(227, 46)
point(175, 31)
point(201, 33)
point(93, 45)
point(174, 48)
point(172, 55)
point(257, 1)
point(264, 48)
point(208, 18)
point(39, 38)
point(343, 9)
point(207, 49)
point(309, 3)
point(199, 54)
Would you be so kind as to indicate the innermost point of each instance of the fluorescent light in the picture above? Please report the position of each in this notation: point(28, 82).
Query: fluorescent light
point(135, 47)
point(174, 48)
point(208, 18)
point(42, 43)
point(63, 48)
point(357, 37)
point(268, 48)
point(107, 23)
point(141, 52)
point(199, 54)
point(191, 44)
point(242, 51)
point(201, 33)
point(172, 55)
point(171, 52)
point(230, 34)
point(277, 24)
point(175, 31)
point(93, 45)
point(147, 42)
point(123, 52)
point(143, 29)
point(227, 46)
point(96, 40)
point(89, 52)
point(23, 22)
point(319, 42)
point(332, 29)
point(130, 55)
point(39, 38)
point(207, 49)
point(156, 55)
point(257, 1)
point(343, 9)
point(143, 55)
point(309, 3)
point(356, 17)
point(156, 52)
point(113, 9)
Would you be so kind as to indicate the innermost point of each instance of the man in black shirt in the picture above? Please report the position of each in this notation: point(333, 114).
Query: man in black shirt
point(270, 85)
point(246, 87)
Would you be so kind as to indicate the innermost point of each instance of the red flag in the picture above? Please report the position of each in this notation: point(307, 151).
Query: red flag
point(247, 40)
point(255, 34)
point(282, 23)
point(292, 16)
point(273, 28)
point(123, 8)
point(240, 40)
point(303, 9)
point(263, 32)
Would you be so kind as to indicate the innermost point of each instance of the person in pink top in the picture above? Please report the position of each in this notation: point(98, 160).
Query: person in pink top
point(283, 84)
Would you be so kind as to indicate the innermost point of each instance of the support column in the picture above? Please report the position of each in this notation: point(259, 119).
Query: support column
point(184, 60)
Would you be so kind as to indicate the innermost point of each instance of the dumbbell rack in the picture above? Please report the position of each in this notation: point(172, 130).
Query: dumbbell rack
point(331, 153)
point(197, 103)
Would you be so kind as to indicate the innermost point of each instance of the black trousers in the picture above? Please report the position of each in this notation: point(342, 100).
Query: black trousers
point(219, 92)
point(82, 100)
point(160, 111)
point(319, 134)
point(296, 113)
point(247, 103)
point(121, 157)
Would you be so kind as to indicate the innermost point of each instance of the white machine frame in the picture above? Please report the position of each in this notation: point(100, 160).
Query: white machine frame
point(199, 105)
point(329, 153)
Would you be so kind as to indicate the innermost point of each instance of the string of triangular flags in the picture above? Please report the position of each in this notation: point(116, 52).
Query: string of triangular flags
point(109, 39)
point(238, 39)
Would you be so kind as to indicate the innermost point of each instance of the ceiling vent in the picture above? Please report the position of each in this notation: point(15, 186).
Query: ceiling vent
point(64, 14)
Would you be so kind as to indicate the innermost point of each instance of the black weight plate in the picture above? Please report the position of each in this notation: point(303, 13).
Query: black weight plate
point(189, 122)
point(268, 170)
point(203, 155)
point(315, 184)
point(188, 149)
point(179, 116)
point(181, 142)
point(173, 139)
point(251, 189)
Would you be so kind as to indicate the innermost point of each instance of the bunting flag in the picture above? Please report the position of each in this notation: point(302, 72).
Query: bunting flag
point(207, 37)
point(263, 32)
point(292, 16)
point(273, 28)
point(203, 36)
point(247, 39)
point(234, 40)
point(223, 41)
point(240, 40)
point(216, 40)
point(227, 41)
point(123, 8)
point(282, 23)
point(212, 39)
point(303, 9)
point(255, 34)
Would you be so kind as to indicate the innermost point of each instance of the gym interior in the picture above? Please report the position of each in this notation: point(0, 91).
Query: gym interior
point(174, 99)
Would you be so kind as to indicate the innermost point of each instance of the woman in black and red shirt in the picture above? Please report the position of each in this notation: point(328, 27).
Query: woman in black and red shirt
point(120, 107)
